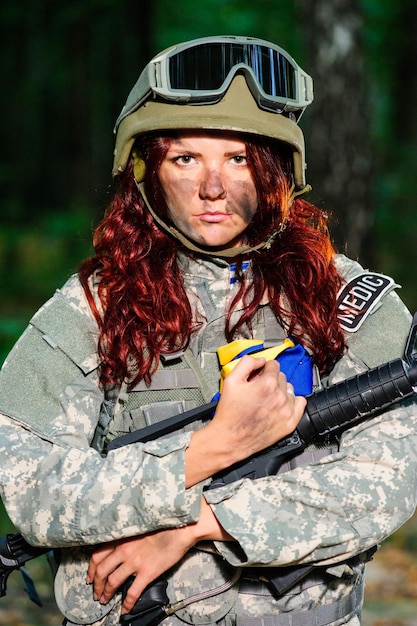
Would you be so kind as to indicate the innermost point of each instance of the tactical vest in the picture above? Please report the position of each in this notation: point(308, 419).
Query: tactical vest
point(180, 384)
point(188, 379)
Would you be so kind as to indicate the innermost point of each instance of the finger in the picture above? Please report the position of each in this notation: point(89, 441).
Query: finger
point(133, 594)
point(95, 560)
point(299, 405)
point(299, 402)
point(272, 366)
point(290, 390)
point(104, 571)
point(248, 366)
point(114, 582)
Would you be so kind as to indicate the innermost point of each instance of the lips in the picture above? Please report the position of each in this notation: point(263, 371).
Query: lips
point(213, 218)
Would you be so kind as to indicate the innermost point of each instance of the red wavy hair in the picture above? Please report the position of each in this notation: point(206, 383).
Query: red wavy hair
point(145, 310)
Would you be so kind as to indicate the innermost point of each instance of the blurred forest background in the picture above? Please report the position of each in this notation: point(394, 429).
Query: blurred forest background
point(66, 70)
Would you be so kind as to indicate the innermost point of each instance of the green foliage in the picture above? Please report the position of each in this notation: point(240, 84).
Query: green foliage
point(269, 19)
point(44, 234)
point(61, 101)
point(6, 525)
point(383, 45)
point(64, 65)
point(36, 259)
point(389, 56)
point(208, 20)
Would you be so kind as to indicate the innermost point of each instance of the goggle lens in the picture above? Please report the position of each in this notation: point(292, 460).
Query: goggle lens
point(206, 67)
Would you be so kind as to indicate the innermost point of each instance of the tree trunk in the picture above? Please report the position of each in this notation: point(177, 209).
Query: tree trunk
point(337, 123)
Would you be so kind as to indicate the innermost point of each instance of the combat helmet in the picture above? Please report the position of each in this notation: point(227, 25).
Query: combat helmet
point(229, 83)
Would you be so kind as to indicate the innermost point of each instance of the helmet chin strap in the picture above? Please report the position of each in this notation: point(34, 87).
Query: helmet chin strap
point(218, 252)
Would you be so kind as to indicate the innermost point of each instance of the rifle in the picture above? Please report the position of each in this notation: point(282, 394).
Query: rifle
point(329, 412)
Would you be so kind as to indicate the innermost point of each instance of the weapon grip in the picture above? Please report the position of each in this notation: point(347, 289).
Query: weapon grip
point(265, 463)
point(149, 609)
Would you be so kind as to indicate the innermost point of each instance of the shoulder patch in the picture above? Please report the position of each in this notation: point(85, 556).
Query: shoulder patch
point(358, 298)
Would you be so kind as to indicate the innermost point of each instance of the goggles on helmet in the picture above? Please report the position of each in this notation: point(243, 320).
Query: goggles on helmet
point(200, 72)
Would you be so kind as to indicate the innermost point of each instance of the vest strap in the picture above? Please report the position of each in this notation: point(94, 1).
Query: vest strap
point(105, 418)
point(320, 616)
point(157, 412)
point(170, 379)
point(274, 333)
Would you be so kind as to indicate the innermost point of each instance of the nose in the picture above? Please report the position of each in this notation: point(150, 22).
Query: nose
point(212, 186)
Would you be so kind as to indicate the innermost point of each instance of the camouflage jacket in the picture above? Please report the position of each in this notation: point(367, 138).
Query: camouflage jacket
point(62, 493)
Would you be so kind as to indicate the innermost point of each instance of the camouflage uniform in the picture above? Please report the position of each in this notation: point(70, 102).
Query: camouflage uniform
point(62, 493)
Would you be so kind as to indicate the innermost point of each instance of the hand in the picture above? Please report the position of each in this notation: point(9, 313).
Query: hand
point(257, 408)
point(147, 557)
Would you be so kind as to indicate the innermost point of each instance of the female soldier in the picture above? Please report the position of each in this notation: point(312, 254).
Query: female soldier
point(206, 242)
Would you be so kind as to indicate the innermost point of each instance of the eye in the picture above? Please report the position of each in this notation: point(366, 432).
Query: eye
point(183, 159)
point(240, 159)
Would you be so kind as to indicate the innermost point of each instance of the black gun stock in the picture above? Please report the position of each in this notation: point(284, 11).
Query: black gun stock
point(329, 412)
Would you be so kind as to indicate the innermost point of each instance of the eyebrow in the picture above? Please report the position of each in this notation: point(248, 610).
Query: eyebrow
point(178, 146)
point(235, 153)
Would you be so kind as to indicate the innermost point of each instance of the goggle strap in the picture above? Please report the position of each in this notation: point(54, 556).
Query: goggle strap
point(295, 194)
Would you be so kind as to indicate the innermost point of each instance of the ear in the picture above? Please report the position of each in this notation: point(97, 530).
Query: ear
point(139, 167)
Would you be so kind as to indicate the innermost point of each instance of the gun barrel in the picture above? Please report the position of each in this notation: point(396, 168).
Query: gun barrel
point(336, 408)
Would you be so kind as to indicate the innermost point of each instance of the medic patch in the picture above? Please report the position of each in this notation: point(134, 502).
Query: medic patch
point(358, 298)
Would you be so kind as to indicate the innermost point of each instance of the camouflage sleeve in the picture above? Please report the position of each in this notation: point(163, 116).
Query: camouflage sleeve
point(329, 511)
point(336, 508)
point(56, 489)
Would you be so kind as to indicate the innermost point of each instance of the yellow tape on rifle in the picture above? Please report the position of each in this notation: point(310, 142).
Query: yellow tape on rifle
point(269, 354)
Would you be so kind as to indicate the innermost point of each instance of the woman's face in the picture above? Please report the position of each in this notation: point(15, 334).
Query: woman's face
point(209, 190)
